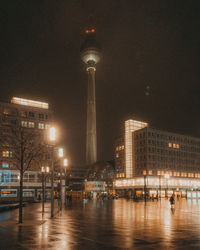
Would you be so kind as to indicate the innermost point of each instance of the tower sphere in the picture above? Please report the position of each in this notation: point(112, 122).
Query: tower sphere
point(90, 49)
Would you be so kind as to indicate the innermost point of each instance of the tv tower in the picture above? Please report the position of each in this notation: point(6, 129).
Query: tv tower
point(90, 55)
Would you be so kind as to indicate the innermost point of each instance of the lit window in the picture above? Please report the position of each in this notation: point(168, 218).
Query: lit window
point(150, 172)
point(144, 172)
point(5, 165)
point(117, 155)
point(31, 124)
point(176, 145)
point(7, 154)
point(158, 172)
point(169, 144)
point(6, 111)
point(41, 125)
point(24, 123)
point(122, 147)
point(23, 114)
point(47, 126)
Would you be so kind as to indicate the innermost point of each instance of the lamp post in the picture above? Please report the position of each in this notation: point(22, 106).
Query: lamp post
point(43, 170)
point(60, 155)
point(52, 138)
point(145, 185)
point(65, 163)
point(167, 179)
point(160, 185)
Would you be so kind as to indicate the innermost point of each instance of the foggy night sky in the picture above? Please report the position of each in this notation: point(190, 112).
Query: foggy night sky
point(145, 43)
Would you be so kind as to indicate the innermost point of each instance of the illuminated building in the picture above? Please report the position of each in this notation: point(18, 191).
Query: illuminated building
point(146, 151)
point(90, 55)
point(130, 127)
point(35, 117)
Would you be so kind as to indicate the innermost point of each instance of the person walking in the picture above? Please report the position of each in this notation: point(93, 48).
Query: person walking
point(172, 200)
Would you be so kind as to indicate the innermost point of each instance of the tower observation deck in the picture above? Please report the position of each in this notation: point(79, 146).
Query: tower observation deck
point(90, 55)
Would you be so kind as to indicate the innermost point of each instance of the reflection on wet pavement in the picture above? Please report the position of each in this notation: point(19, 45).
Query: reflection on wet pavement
point(110, 224)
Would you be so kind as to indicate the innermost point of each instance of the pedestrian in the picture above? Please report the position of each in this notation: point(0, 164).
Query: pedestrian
point(171, 200)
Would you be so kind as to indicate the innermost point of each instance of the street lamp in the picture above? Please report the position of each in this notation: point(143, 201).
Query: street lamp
point(65, 163)
point(60, 155)
point(60, 152)
point(167, 179)
point(145, 185)
point(43, 170)
point(52, 138)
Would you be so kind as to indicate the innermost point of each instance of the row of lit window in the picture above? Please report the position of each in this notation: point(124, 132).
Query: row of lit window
point(170, 173)
point(32, 115)
point(174, 145)
point(32, 125)
point(182, 174)
point(120, 175)
point(5, 165)
point(7, 111)
point(181, 139)
point(119, 148)
point(7, 154)
point(145, 172)
point(170, 152)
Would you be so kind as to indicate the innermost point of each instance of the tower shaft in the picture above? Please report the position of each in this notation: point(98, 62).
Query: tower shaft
point(91, 135)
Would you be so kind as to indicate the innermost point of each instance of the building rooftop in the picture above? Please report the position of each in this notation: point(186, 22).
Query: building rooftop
point(31, 103)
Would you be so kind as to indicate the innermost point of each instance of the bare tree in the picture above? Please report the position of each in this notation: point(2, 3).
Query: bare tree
point(27, 146)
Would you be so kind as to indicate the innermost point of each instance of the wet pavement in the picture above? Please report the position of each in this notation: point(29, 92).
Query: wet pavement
point(110, 224)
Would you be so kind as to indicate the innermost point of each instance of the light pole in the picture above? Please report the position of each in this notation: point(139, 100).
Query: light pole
point(52, 138)
point(60, 155)
point(167, 179)
point(160, 185)
point(145, 185)
point(65, 163)
point(43, 170)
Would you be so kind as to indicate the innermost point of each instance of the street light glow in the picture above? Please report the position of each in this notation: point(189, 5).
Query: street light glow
point(60, 152)
point(65, 162)
point(52, 134)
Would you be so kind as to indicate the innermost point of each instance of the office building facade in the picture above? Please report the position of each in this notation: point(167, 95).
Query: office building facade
point(157, 155)
point(35, 118)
